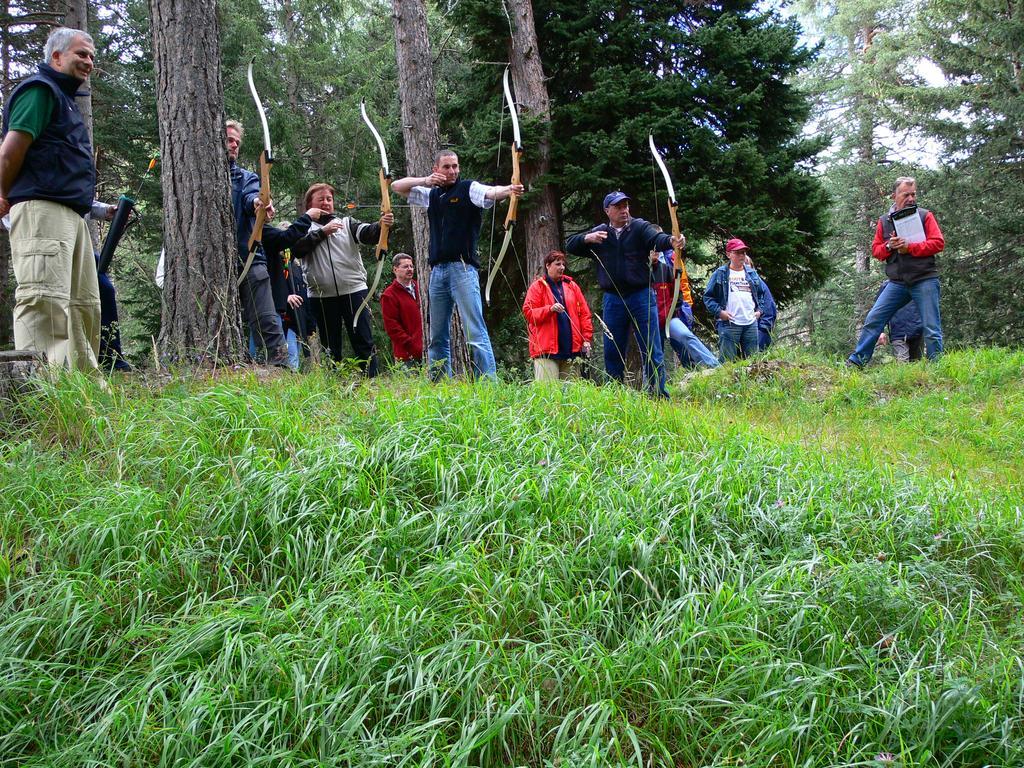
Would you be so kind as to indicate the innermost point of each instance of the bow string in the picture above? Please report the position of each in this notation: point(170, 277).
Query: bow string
point(384, 175)
point(266, 160)
point(681, 280)
point(513, 203)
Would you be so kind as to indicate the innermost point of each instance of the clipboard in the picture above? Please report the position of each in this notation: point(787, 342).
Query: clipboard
point(908, 224)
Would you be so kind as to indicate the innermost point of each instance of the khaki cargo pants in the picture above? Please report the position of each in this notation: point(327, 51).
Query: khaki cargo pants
point(57, 302)
point(546, 369)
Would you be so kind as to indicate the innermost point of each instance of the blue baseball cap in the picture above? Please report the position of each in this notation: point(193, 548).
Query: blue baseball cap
point(614, 197)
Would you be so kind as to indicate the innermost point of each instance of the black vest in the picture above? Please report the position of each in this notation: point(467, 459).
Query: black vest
point(454, 224)
point(58, 165)
point(902, 267)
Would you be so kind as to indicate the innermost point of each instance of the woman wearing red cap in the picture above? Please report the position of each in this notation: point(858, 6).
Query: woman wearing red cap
point(735, 297)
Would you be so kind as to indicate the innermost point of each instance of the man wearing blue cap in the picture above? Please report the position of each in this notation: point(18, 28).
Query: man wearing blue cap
point(621, 250)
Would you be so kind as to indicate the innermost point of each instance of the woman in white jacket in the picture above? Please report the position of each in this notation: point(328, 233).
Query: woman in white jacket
point(336, 277)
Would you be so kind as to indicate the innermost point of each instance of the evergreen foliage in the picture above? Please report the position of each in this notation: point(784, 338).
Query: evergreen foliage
point(126, 137)
point(978, 116)
point(887, 121)
point(715, 82)
point(712, 82)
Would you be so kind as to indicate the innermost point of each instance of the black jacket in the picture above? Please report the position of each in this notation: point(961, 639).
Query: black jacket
point(623, 262)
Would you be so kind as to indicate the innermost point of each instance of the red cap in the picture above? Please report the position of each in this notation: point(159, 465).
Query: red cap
point(736, 245)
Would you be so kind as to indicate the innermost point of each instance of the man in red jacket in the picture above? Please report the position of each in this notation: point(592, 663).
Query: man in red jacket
point(912, 272)
point(400, 308)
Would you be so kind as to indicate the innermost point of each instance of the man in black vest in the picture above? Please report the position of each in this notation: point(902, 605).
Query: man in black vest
point(47, 182)
point(453, 211)
point(913, 276)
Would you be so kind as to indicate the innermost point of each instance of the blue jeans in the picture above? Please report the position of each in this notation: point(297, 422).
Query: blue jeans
point(736, 340)
point(925, 294)
point(684, 339)
point(293, 348)
point(451, 284)
point(637, 312)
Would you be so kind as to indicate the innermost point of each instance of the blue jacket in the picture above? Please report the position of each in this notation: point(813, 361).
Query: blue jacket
point(245, 188)
point(623, 262)
point(766, 323)
point(716, 295)
point(685, 313)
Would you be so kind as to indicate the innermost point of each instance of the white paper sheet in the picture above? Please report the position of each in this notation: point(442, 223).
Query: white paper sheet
point(908, 225)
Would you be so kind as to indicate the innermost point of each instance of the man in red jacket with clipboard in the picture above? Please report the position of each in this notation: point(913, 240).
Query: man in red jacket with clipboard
point(907, 239)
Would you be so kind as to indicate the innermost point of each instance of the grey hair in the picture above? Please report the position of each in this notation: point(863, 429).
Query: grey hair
point(903, 180)
point(444, 153)
point(398, 258)
point(237, 126)
point(61, 39)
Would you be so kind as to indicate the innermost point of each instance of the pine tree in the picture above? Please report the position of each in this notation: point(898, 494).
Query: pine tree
point(978, 116)
point(864, 63)
point(201, 301)
point(713, 82)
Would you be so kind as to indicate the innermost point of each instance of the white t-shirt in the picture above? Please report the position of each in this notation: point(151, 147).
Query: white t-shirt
point(420, 196)
point(741, 299)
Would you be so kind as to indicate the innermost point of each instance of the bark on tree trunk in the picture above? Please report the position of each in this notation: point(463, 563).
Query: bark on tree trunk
point(200, 321)
point(419, 115)
point(17, 369)
point(6, 276)
point(869, 195)
point(422, 139)
point(541, 217)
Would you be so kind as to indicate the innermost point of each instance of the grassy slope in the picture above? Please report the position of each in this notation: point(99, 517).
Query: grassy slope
point(791, 565)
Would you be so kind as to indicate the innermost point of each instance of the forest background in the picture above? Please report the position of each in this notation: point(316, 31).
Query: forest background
point(782, 124)
point(790, 564)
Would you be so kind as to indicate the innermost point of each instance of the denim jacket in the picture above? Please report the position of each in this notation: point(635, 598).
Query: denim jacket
point(716, 294)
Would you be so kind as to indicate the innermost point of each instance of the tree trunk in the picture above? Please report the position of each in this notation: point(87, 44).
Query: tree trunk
point(541, 219)
point(422, 140)
point(17, 369)
point(868, 194)
point(200, 321)
point(6, 276)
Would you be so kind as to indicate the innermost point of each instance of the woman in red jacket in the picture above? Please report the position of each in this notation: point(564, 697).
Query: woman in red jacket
point(558, 321)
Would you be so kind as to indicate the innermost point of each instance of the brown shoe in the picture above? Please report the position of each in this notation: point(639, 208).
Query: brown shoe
point(279, 358)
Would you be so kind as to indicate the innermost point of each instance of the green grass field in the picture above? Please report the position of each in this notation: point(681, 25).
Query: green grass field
point(790, 564)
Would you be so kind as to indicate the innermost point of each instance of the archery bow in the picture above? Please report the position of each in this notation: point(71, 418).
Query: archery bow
point(682, 281)
point(266, 160)
point(513, 203)
point(385, 208)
